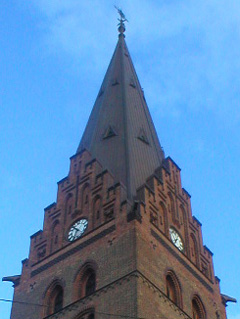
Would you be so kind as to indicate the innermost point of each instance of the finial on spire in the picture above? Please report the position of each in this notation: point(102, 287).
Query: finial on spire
point(122, 19)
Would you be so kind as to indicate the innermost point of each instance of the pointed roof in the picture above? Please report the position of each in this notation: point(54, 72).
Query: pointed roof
point(120, 132)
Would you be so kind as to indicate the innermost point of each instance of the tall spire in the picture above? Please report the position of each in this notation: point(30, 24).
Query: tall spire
point(120, 133)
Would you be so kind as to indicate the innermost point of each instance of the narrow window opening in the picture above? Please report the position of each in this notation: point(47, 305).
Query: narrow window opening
point(98, 214)
point(195, 310)
point(192, 252)
point(161, 222)
point(90, 284)
point(58, 304)
point(56, 239)
point(55, 300)
point(173, 290)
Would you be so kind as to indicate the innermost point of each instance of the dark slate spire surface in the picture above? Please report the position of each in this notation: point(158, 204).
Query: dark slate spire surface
point(120, 133)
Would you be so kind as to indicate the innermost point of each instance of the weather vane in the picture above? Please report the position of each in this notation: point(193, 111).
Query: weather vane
point(122, 19)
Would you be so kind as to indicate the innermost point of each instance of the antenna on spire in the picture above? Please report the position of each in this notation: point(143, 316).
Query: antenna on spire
point(122, 19)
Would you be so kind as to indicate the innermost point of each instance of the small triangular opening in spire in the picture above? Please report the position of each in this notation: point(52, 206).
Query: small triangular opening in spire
point(142, 136)
point(132, 83)
point(115, 82)
point(110, 132)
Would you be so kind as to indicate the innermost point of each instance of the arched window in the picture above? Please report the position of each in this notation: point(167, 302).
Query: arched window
point(173, 290)
point(55, 300)
point(87, 314)
point(163, 218)
point(58, 302)
point(171, 202)
point(182, 215)
point(69, 205)
point(97, 211)
point(85, 198)
point(172, 206)
point(90, 285)
point(55, 236)
point(193, 249)
point(85, 281)
point(198, 311)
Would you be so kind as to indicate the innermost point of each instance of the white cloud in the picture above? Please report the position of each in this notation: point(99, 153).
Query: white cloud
point(190, 49)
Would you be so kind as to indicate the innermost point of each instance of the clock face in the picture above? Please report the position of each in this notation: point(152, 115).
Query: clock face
point(176, 239)
point(77, 229)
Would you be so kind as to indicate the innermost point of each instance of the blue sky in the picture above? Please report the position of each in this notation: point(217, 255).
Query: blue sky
point(53, 56)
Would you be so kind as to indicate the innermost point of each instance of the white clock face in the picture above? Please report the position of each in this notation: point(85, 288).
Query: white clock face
point(77, 229)
point(176, 239)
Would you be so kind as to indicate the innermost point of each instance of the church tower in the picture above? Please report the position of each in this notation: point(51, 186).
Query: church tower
point(120, 240)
